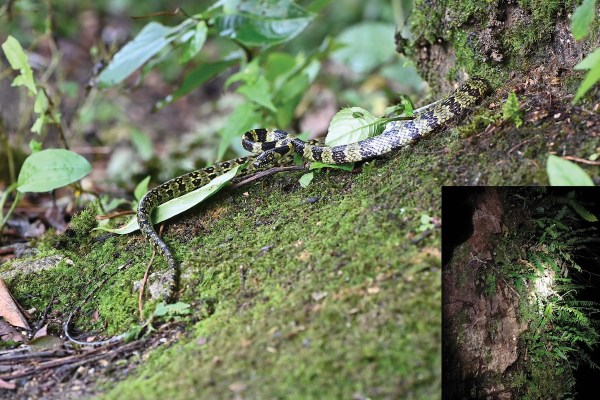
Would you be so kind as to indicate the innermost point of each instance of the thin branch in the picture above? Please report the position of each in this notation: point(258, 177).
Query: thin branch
point(268, 172)
point(581, 160)
point(145, 279)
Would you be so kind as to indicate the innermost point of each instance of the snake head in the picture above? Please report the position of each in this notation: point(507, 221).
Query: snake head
point(272, 155)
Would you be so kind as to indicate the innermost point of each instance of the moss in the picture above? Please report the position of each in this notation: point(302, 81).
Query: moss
point(427, 20)
point(490, 284)
point(517, 34)
point(332, 286)
point(80, 227)
point(539, 26)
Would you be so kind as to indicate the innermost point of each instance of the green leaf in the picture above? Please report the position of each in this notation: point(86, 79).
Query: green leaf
point(41, 103)
point(247, 74)
point(195, 43)
point(406, 105)
point(565, 173)
point(178, 308)
point(289, 97)
point(135, 332)
point(38, 124)
point(306, 179)
point(365, 46)
point(160, 310)
point(180, 204)
point(35, 146)
point(582, 18)
point(351, 125)
point(243, 118)
point(258, 92)
point(425, 223)
point(141, 188)
point(50, 169)
point(583, 213)
point(511, 109)
point(19, 62)
point(142, 143)
point(149, 42)
point(195, 78)
point(591, 62)
point(262, 22)
point(279, 65)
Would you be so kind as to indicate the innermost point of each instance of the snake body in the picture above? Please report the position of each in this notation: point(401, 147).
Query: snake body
point(273, 144)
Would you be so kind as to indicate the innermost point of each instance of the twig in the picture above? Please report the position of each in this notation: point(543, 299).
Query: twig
point(516, 146)
point(42, 321)
point(79, 359)
point(268, 172)
point(581, 160)
point(30, 356)
point(114, 215)
point(421, 236)
point(145, 279)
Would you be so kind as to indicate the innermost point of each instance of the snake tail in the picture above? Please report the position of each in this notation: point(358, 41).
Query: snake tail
point(167, 191)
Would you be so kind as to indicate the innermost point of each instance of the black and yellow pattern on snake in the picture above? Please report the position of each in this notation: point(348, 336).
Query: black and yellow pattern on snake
point(273, 144)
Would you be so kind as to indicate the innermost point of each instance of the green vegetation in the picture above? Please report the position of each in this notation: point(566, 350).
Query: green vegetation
point(43, 170)
point(582, 19)
point(538, 260)
point(511, 110)
point(565, 173)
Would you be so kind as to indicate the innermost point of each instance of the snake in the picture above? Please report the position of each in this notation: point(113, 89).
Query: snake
point(274, 146)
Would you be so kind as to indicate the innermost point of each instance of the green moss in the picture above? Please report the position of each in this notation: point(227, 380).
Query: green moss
point(330, 287)
point(427, 20)
point(529, 24)
point(80, 227)
point(490, 284)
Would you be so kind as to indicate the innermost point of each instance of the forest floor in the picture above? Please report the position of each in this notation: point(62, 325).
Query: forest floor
point(327, 291)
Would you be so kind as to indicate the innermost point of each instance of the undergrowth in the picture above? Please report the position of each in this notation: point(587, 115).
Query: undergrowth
point(539, 259)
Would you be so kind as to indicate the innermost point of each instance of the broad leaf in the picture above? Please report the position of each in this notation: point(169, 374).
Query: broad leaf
point(177, 206)
point(366, 46)
point(18, 61)
point(141, 188)
point(306, 179)
point(50, 169)
point(247, 74)
point(178, 308)
point(591, 62)
point(195, 78)
point(149, 42)
point(142, 144)
point(279, 65)
point(258, 92)
point(565, 173)
point(262, 22)
point(194, 44)
point(351, 125)
point(243, 118)
point(582, 18)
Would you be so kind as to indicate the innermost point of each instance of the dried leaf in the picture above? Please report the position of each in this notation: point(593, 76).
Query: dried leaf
point(9, 310)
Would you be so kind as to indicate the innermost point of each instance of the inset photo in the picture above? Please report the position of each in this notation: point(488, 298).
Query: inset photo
point(520, 292)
